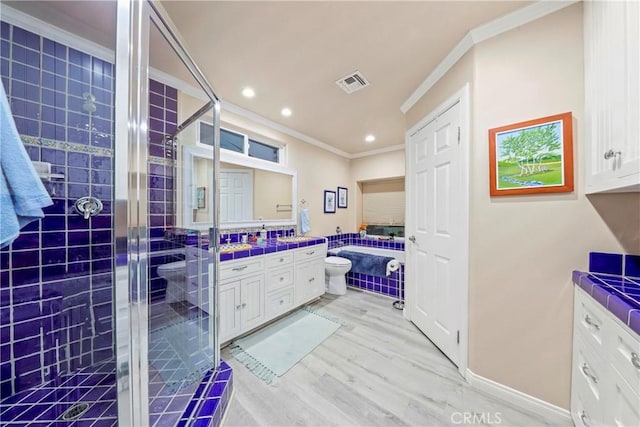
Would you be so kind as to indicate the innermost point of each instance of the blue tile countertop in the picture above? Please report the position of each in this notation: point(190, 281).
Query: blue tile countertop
point(270, 246)
point(614, 281)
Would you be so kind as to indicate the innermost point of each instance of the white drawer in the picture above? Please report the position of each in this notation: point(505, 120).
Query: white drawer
point(623, 405)
point(590, 320)
point(280, 302)
point(589, 372)
point(309, 253)
point(625, 353)
point(279, 278)
point(279, 259)
point(240, 268)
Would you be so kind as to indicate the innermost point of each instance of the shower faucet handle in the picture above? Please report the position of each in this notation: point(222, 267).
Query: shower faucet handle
point(88, 206)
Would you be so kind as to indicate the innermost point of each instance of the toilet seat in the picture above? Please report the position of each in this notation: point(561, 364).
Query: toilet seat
point(336, 260)
point(173, 266)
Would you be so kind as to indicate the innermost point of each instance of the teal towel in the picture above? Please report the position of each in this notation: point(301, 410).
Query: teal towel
point(22, 194)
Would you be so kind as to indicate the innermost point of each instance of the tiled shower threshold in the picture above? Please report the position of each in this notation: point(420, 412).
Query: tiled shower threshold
point(200, 404)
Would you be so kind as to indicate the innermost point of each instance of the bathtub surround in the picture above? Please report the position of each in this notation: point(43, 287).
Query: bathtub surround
point(392, 285)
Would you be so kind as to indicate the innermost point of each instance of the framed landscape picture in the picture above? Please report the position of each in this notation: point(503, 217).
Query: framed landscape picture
point(532, 157)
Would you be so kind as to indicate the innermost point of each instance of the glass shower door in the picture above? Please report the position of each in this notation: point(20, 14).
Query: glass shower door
point(167, 270)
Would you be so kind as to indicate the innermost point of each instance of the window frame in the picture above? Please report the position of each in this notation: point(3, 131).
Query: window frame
point(281, 148)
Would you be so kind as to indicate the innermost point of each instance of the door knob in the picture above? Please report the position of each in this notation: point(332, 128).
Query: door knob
point(412, 239)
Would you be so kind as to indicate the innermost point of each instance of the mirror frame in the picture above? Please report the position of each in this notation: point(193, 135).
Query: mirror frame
point(188, 154)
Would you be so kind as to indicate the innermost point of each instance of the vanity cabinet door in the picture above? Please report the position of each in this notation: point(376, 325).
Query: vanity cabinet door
point(252, 302)
point(622, 404)
point(230, 307)
point(309, 280)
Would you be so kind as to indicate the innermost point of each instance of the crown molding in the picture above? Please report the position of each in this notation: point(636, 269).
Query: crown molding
point(377, 151)
point(491, 29)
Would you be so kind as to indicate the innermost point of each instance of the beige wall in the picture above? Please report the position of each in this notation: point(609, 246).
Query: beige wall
point(372, 168)
point(318, 170)
point(523, 249)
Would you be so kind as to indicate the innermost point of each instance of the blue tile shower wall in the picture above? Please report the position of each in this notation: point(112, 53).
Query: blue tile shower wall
point(392, 285)
point(163, 116)
point(55, 279)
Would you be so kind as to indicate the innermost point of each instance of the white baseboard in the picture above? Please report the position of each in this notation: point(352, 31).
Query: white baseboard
point(552, 413)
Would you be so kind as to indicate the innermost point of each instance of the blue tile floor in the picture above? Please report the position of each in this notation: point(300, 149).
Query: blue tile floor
point(200, 404)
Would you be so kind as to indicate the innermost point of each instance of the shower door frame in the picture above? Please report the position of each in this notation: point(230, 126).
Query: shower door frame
point(131, 281)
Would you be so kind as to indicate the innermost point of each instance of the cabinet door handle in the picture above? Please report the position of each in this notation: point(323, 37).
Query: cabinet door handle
point(281, 278)
point(635, 360)
point(312, 279)
point(584, 418)
point(237, 307)
point(610, 154)
point(244, 304)
point(281, 301)
point(311, 253)
point(590, 322)
point(587, 372)
point(240, 268)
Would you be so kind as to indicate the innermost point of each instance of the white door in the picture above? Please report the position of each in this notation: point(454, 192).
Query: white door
point(436, 258)
point(236, 195)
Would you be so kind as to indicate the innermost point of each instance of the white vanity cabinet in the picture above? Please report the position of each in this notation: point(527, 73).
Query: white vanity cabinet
point(257, 289)
point(605, 380)
point(612, 95)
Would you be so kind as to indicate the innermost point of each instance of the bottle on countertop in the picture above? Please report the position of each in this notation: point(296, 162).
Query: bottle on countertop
point(263, 233)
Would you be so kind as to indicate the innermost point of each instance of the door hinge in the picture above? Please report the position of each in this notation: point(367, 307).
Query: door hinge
point(458, 134)
point(458, 337)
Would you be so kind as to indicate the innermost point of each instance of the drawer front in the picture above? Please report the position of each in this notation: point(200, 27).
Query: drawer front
point(279, 259)
point(588, 372)
point(279, 278)
point(236, 269)
point(625, 354)
point(280, 302)
point(590, 319)
point(623, 405)
point(310, 253)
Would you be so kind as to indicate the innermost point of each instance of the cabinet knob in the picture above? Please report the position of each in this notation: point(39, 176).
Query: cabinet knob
point(281, 279)
point(311, 253)
point(312, 279)
point(281, 301)
point(635, 360)
point(237, 307)
point(590, 322)
point(240, 268)
point(244, 304)
point(281, 259)
point(610, 154)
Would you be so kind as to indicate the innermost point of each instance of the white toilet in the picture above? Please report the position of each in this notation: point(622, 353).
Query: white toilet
point(335, 269)
point(175, 273)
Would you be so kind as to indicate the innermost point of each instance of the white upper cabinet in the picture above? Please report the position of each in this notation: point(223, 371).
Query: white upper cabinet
point(612, 95)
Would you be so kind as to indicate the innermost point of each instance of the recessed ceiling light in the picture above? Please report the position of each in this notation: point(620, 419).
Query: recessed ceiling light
point(370, 138)
point(286, 112)
point(248, 92)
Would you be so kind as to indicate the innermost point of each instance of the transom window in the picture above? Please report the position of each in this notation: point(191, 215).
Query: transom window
point(240, 143)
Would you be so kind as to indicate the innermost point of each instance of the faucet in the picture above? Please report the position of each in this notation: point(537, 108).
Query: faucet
point(338, 230)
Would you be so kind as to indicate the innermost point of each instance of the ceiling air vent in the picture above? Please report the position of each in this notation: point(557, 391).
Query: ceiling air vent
point(353, 82)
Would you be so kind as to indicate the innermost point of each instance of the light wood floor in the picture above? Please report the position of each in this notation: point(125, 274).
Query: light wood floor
point(376, 370)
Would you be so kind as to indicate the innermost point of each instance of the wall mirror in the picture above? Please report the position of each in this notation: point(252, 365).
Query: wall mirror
point(252, 192)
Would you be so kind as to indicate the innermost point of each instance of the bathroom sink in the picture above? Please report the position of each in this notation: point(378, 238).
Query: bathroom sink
point(293, 239)
point(233, 247)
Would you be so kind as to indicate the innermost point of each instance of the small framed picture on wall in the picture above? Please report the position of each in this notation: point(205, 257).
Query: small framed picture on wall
point(329, 201)
point(343, 195)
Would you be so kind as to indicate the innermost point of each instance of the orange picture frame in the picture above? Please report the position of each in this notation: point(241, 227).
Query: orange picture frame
point(532, 157)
